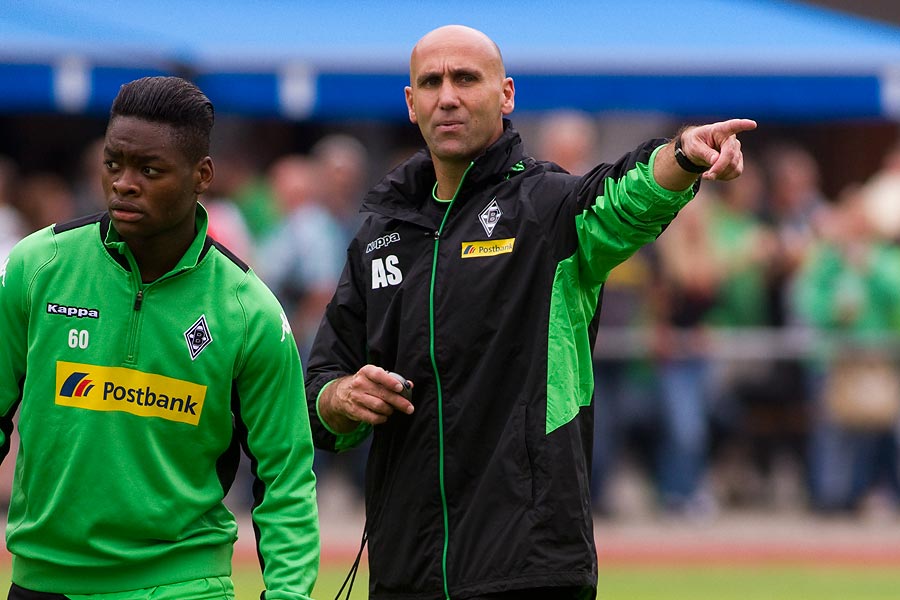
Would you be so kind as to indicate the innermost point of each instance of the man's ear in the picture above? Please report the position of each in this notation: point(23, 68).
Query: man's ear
point(203, 175)
point(409, 105)
point(509, 96)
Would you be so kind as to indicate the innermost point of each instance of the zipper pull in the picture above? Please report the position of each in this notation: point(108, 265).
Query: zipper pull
point(138, 299)
point(437, 235)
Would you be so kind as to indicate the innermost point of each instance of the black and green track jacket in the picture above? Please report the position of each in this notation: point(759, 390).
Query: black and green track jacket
point(133, 400)
point(492, 314)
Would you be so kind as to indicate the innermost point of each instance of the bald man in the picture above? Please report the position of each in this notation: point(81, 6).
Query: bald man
point(477, 274)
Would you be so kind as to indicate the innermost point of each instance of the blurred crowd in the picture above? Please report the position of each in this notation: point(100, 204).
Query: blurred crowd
point(746, 359)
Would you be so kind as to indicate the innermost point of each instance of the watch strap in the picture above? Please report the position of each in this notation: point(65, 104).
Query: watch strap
point(684, 162)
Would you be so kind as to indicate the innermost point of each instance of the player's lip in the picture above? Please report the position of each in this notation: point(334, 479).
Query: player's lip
point(124, 211)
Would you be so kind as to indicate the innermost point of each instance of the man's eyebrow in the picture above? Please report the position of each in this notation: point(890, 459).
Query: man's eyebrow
point(427, 75)
point(466, 71)
point(454, 72)
point(137, 156)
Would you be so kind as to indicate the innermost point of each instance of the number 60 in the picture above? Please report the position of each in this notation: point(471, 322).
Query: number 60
point(78, 338)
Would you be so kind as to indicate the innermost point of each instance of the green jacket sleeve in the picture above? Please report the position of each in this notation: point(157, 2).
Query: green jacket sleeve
point(14, 325)
point(616, 209)
point(623, 208)
point(271, 411)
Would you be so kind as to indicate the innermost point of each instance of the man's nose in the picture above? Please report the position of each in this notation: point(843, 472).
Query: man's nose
point(448, 97)
point(125, 184)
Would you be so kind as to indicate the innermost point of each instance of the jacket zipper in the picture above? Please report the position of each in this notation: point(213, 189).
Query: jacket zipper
point(437, 379)
point(134, 320)
point(135, 325)
point(136, 315)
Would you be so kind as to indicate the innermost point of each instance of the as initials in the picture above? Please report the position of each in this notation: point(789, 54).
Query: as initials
point(385, 272)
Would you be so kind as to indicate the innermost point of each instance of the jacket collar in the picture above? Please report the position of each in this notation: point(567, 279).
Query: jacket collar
point(407, 187)
point(119, 250)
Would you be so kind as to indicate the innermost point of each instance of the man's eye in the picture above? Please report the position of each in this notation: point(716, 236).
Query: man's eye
point(150, 171)
point(111, 164)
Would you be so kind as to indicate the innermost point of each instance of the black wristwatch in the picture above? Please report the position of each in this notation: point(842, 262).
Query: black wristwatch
point(684, 162)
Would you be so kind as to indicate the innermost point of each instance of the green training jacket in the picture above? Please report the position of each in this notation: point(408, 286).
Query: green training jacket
point(134, 401)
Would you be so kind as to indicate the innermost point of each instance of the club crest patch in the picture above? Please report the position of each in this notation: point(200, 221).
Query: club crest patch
point(198, 337)
point(489, 216)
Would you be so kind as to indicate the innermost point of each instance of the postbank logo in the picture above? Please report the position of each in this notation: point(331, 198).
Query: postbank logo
point(489, 248)
point(126, 390)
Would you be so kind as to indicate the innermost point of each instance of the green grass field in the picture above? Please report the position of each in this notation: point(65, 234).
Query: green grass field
point(693, 582)
point(698, 582)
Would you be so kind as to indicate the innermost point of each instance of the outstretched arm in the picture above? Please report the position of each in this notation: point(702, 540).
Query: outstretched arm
point(714, 146)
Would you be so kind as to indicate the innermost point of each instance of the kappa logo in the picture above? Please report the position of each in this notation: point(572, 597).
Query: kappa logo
point(382, 242)
point(489, 216)
point(285, 326)
point(3, 272)
point(198, 337)
point(72, 311)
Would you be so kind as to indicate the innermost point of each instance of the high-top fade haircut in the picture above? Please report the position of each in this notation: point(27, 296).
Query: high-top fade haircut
point(173, 101)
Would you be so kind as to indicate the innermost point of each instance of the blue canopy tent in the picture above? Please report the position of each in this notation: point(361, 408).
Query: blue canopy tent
point(343, 59)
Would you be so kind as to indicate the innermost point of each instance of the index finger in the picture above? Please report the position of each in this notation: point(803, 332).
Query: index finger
point(733, 126)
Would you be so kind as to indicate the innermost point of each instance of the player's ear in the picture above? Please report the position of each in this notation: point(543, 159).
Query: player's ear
point(203, 175)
